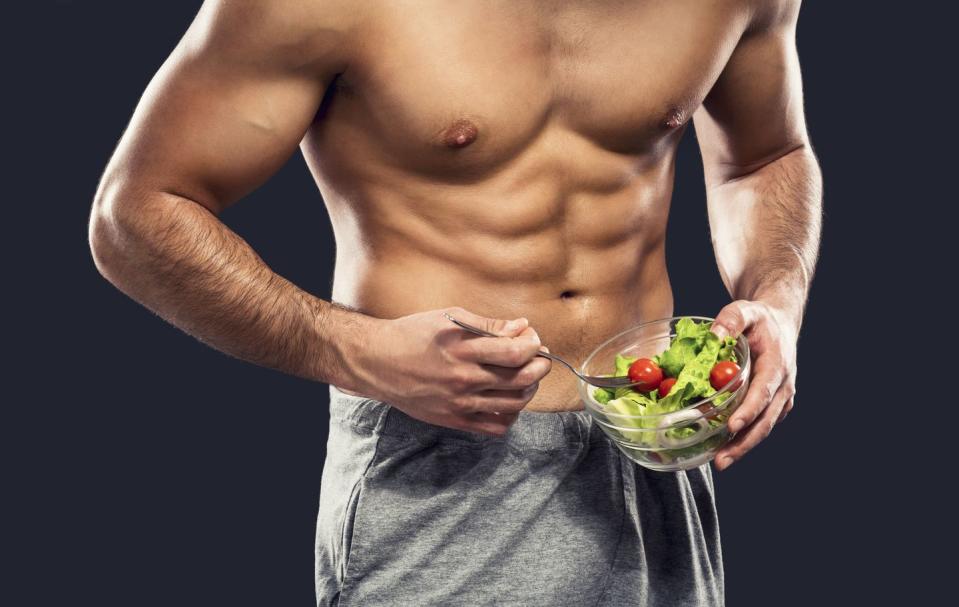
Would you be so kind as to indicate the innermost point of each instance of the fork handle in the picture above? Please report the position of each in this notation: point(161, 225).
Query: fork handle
point(557, 359)
point(478, 331)
point(469, 328)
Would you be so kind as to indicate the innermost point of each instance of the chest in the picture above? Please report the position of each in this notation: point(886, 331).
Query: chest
point(465, 86)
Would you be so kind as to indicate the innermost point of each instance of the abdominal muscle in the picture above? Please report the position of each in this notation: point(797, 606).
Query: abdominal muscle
point(570, 319)
point(580, 266)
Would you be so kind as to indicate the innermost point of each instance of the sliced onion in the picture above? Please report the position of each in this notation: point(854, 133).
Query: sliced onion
point(672, 420)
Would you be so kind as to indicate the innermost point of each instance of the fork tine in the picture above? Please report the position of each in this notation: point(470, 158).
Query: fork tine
point(608, 382)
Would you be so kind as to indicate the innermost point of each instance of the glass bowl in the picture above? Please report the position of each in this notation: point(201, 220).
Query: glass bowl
point(677, 440)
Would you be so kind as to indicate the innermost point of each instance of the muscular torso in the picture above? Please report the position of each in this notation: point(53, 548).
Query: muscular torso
point(515, 159)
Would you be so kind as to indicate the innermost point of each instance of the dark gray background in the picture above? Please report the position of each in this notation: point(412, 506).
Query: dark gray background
point(148, 469)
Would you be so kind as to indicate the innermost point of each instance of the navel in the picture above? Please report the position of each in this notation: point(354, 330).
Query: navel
point(460, 134)
point(675, 119)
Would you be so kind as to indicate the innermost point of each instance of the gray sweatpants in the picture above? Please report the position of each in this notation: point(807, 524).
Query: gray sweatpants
point(551, 514)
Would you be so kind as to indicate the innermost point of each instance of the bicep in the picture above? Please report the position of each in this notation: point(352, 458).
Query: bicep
point(223, 113)
point(754, 113)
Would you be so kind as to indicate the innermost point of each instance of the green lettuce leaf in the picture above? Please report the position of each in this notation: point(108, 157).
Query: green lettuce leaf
point(688, 342)
point(630, 404)
point(681, 433)
point(727, 351)
point(681, 351)
point(693, 381)
point(602, 395)
point(622, 365)
point(687, 327)
point(690, 357)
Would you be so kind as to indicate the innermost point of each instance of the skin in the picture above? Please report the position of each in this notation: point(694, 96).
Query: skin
point(499, 161)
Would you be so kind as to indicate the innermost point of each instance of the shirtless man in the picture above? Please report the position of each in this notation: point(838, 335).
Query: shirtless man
point(510, 162)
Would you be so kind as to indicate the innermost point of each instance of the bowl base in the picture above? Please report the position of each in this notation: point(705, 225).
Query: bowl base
point(687, 464)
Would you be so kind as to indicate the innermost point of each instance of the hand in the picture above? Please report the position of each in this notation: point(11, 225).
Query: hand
point(772, 334)
point(441, 374)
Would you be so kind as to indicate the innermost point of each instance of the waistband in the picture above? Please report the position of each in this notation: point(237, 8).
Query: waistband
point(531, 430)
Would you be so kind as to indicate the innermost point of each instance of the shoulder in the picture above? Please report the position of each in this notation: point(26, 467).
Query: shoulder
point(767, 15)
point(291, 33)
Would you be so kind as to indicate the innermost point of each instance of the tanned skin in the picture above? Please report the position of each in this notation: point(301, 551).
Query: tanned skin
point(503, 161)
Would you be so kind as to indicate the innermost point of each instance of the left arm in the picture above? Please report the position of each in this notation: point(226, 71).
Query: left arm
point(764, 195)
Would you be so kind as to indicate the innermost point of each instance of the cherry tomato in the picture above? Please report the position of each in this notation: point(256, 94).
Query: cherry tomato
point(723, 372)
point(666, 386)
point(646, 373)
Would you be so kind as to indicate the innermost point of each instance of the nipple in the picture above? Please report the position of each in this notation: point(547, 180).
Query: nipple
point(676, 118)
point(460, 134)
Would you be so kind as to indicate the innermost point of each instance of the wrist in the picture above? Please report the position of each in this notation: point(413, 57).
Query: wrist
point(347, 336)
point(786, 299)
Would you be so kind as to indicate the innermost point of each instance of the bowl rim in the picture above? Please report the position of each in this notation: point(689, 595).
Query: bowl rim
point(743, 370)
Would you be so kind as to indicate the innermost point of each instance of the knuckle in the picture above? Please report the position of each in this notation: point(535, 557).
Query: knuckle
point(751, 414)
point(547, 366)
point(734, 314)
point(525, 377)
point(534, 339)
point(515, 354)
point(459, 404)
point(767, 392)
point(461, 380)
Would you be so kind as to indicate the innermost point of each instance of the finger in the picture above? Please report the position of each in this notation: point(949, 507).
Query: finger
point(766, 381)
point(504, 418)
point(497, 326)
point(501, 351)
point(481, 423)
point(489, 423)
point(754, 434)
point(500, 401)
point(516, 378)
point(735, 317)
point(788, 405)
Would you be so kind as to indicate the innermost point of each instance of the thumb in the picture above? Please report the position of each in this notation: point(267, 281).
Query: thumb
point(734, 318)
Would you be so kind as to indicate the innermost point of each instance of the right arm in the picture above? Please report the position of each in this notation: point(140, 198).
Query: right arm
point(223, 113)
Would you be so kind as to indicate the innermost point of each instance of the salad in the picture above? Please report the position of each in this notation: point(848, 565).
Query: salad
point(696, 365)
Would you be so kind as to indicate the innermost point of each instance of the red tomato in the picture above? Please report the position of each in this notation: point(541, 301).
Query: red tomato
point(666, 386)
point(646, 373)
point(723, 372)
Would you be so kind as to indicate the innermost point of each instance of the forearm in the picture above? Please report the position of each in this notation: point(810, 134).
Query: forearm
point(179, 260)
point(766, 228)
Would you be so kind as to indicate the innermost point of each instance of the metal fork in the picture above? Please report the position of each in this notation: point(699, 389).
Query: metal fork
point(599, 382)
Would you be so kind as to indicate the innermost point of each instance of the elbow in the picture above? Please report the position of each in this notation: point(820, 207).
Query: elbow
point(105, 235)
point(103, 242)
